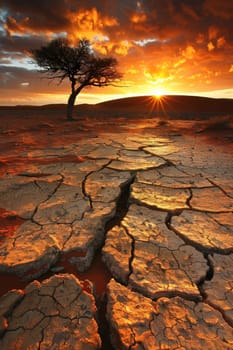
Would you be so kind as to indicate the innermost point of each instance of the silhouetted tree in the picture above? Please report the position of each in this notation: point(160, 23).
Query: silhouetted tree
point(79, 64)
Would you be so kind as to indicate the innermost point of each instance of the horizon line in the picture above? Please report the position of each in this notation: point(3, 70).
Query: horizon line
point(119, 98)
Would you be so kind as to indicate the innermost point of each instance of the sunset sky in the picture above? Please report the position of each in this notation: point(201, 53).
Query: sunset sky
point(162, 46)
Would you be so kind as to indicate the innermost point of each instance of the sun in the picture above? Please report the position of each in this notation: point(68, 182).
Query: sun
point(158, 93)
point(159, 100)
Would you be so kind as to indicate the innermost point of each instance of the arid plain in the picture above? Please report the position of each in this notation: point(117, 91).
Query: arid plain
point(117, 228)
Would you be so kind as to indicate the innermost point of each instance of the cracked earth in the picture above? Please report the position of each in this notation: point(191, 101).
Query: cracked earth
point(153, 204)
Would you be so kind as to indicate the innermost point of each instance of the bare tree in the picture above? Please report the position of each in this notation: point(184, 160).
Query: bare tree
point(79, 64)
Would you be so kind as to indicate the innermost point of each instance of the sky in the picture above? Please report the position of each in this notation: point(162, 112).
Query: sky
point(162, 46)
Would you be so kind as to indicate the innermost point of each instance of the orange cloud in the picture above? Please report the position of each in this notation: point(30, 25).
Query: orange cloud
point(200, 38)
point(213, 32)
point(221, 42)
point(89, 24)
point(210, 46)
point(189, 52)
point(138, 18)
point(122, 48)
point(176, 44)
point(13, 26)
point(180, 62)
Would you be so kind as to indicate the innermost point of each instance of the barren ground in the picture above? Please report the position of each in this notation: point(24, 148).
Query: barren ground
point(141, 206)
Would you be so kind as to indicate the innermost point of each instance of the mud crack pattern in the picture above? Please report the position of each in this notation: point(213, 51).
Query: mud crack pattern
point(169, 246)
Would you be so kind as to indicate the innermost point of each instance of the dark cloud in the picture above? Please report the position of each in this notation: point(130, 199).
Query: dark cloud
point(36, 15)
point(131, 20)
point(13, 78)
point(12, 75)
point(219, 9)
point(19, 43)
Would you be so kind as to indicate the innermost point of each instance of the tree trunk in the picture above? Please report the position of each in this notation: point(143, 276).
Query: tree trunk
point(70, 105)
point(71, 101)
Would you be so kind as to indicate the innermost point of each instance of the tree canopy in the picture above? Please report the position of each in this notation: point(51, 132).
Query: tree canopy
point(79, 64)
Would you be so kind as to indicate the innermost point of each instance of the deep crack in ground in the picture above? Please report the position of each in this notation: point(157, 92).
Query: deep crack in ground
point(122, 205)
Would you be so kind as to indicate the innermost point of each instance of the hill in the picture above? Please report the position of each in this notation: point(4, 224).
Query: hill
point(169, 104)
point(172, 106)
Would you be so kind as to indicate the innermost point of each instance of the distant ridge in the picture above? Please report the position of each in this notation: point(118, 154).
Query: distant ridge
point(169, 103)
point(172, 104)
